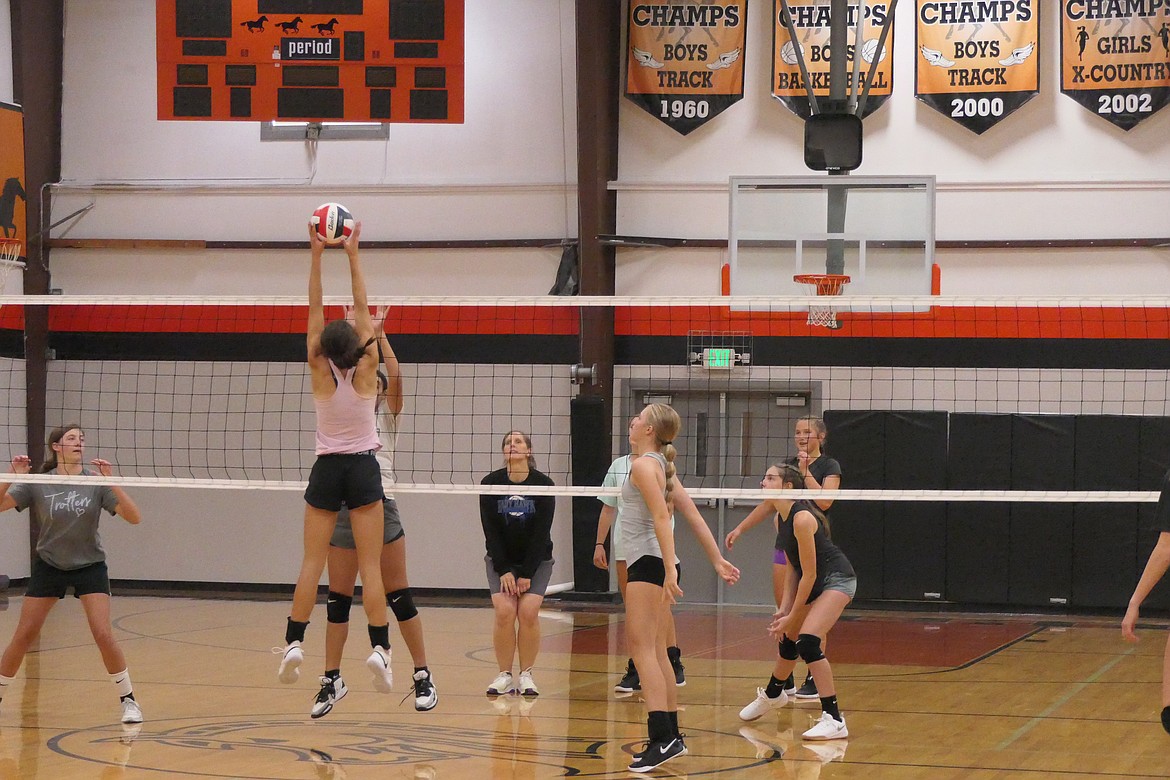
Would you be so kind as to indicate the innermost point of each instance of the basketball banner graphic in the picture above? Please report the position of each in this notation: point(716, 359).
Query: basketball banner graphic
point(977, 62)
point(685, 60)
point(1115, 57)
point(811, 22)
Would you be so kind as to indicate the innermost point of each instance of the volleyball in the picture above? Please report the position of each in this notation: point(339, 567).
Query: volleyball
point(333, 221)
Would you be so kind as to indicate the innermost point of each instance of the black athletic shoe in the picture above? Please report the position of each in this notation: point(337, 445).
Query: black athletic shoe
point(629, 682)
point(425, 695)
point(332, 691)
point(808, 690)
point(680, 678)
point(658, 753)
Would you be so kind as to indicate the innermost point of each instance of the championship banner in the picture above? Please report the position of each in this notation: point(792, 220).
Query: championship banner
point(13, 195)
point(977, 62)
point(685, 60)
point(811, 21)
point(1115, 57)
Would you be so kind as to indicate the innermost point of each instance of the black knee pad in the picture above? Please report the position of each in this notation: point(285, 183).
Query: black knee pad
point(337, 607)
point(401, 604)
point(808, 647)
point(788, 649)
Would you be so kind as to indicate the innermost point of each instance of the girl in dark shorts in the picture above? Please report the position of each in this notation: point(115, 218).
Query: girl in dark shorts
point(343, 566)
point(821, 583)
point(517, 534)
point(343, 368)
point(653, 576)
point(1155, 569)
point(69, 555)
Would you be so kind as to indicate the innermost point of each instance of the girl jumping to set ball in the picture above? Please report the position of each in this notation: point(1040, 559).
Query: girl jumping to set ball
point(343, 367)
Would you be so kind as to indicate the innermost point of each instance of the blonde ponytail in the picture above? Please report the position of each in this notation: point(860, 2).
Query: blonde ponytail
point(666, 424)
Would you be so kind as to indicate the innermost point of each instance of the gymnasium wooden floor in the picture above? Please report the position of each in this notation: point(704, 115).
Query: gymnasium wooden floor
point(938, 696)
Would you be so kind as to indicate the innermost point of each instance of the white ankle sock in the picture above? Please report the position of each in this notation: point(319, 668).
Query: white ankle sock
point(122, 681)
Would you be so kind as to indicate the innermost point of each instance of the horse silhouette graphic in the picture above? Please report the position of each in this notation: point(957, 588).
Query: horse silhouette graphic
point(256, 25)
point(325, 28)
point(291, 26)
point(12, 191)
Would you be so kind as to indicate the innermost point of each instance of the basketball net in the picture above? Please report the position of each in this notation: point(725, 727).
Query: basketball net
point(823, 314)
point(9, 262)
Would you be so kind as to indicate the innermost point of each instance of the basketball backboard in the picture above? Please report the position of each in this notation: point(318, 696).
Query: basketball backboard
point(878, 230)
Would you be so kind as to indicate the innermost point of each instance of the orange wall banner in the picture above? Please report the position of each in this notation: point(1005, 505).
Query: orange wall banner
point(977, 62)
point(1115, 57)
point(684, 62)
point(13, 195)
point(811, 20)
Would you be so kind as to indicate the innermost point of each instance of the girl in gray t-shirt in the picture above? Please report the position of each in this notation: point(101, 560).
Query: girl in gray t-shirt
point(69, 554)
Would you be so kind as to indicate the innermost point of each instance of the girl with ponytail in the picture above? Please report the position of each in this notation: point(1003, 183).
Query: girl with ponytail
point(343, 370)
point(647, 501)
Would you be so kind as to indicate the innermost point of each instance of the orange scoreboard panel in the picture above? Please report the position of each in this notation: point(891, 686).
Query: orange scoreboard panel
point(311, 60)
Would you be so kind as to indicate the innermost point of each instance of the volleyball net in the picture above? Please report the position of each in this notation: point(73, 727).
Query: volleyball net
point(215, 391)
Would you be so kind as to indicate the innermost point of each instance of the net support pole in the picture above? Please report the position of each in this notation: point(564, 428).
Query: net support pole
point(598, 97)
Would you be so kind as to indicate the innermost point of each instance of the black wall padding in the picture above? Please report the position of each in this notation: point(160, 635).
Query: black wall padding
point(1105, 565)
point(978, 452)
point(589, 439)
point(1105, 536)
point(914, 559)
point(978, 533)
point(858, 529)
point(1042, 453)
point(978, 542)
point(857, 441)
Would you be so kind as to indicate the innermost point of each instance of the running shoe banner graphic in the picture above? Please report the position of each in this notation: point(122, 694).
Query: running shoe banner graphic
point(977, 62)
point(1115, 57)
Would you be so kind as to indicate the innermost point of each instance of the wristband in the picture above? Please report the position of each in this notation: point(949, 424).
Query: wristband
point(600, 544)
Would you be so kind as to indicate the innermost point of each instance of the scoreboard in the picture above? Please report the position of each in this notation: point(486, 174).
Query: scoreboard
point(310, 60)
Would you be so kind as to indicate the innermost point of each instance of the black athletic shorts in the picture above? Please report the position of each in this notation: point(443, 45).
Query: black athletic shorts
point(353, 480)
point(47, 581)
point(649, 568)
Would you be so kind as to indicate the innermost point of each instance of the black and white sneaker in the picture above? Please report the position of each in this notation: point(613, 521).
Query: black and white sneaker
point(425, 695)
point(332, 691)
point(630, 681)
point(658, 753)
point(808, 691)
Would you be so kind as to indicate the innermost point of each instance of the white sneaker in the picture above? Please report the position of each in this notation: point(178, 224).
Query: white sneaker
point(501, 685)
point(379, 665)
point(290, 663)
point(131, 712)
point(332, 691)
point(527, 684)
point(827, 727)
point(762, 705)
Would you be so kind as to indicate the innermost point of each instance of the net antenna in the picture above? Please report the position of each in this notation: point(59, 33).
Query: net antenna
point(823, 314)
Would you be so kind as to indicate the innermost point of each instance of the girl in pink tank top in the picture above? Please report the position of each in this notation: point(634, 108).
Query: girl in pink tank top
point(343, 367)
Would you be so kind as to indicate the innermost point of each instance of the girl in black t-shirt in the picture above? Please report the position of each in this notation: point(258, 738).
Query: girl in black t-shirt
point(517, 533)
point(1155, 569)
point(820, 584)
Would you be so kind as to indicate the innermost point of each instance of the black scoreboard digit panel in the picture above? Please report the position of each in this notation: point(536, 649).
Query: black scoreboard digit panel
point(311, 60)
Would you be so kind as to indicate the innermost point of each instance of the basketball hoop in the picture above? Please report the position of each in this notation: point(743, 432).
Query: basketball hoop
point(9, 261)
point(823, 315)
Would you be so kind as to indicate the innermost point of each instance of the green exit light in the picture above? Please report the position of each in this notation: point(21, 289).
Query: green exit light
point(718, 358)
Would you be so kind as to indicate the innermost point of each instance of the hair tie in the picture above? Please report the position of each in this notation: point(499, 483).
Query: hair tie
point(667, 442)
